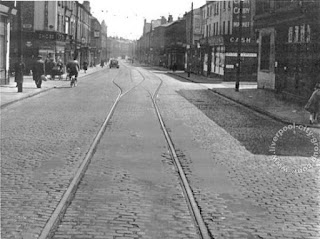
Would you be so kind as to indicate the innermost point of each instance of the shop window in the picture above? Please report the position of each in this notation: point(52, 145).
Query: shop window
point(265, 53)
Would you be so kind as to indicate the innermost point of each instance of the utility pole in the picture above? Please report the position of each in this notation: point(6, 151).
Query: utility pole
point(239, 48)
point(191, 41)
point(20, 66)
point(76, 33)
point(149, 57)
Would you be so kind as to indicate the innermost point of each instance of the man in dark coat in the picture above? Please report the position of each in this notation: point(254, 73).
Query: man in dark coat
point(73, 68)
point(38, 71)
point(19, 67)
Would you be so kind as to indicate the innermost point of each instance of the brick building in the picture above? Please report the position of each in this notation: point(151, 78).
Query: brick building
point(289, 46)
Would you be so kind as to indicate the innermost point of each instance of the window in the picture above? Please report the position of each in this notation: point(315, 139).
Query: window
point(67, 25)
point(229, 30)
point(224, 5)
point(58, 24)
point(265, 53)
point(224, 28)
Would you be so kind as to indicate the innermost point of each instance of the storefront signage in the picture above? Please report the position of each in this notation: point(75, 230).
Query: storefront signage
point(246, 17)
point(243, 54)
point(243, 39)
point(51, 36)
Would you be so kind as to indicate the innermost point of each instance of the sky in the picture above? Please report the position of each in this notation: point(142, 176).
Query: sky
point(125, 18)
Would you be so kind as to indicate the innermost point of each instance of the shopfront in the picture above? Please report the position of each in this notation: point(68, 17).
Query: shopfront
point(220, 58)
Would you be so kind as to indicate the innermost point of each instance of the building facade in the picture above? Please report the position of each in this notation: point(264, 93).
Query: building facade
point(7, 10)
point(164, 44)
point(289, 46)
point(193, 61)
point(105, 44)
point(95, 42)
point(53, 29)
point(219, 45)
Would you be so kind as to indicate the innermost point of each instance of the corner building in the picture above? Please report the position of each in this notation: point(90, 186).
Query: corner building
point(289, 46)
point(219, 45)
point(53, 29)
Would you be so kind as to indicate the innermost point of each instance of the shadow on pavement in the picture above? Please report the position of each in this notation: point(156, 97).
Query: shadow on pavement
point(254, 131)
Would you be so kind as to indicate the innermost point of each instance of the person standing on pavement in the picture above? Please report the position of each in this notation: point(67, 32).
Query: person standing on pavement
point(19, 67)
point(85, 66)
point(38, 71)
point(60, 67)
point(313, 105)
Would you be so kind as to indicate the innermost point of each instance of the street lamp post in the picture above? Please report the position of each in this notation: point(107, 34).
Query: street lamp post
point(76, 33)
point(191, 40)
point(239, 48)
point(19, 64)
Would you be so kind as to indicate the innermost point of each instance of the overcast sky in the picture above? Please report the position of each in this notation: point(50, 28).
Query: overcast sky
point(124, 18)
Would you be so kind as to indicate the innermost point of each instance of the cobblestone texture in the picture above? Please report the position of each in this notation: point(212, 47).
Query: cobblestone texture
point(130, 189)
point(44, 139)
point(240, 190)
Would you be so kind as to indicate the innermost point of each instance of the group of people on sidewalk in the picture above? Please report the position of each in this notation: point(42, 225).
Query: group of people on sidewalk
point(40, 69)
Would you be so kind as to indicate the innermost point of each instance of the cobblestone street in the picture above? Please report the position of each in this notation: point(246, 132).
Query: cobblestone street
point(130, 189)
point(242, 178)
point(43, 142)
point(240, 190)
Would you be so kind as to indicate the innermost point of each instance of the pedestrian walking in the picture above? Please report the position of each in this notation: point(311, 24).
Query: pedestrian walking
point(174, 67)
point(60, 68)
point(38, 70)
point(85, 66)
point(19, 67)
point(313, 105)
point(102, 63)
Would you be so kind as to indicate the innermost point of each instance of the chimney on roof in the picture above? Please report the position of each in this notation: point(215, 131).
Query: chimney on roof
point(163, 20)
point(144, 26)
point(170, 19)
point(86, 5)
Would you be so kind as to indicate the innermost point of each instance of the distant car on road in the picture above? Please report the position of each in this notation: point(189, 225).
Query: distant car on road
point(114, 63)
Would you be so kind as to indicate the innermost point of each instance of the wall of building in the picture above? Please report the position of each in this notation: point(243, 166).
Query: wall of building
point(39, 22)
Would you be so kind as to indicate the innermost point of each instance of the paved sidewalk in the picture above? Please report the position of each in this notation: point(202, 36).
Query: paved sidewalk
point(263, 101)
point(10, 94)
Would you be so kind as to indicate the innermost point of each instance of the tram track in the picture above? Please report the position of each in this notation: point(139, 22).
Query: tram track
point(191, 202)
point(61, 208)
point(68, 196)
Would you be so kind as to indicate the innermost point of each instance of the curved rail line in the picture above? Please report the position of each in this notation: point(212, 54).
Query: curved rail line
point(193, 206)
point(61, 208)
